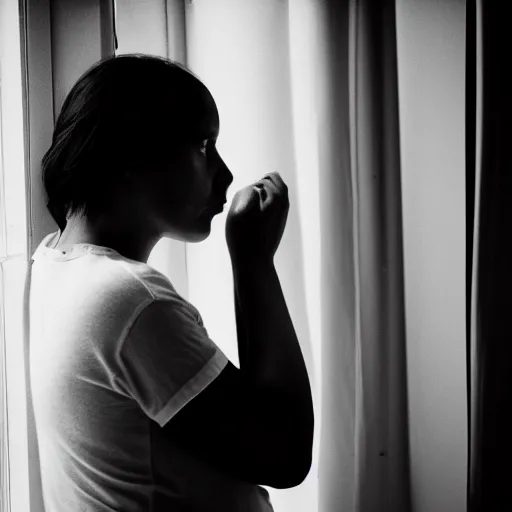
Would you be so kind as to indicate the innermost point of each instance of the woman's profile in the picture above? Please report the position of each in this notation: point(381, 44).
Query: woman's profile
point(136, 408)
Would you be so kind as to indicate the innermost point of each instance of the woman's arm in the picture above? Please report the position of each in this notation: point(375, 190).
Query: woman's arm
point(271, 357)
point(241, 332)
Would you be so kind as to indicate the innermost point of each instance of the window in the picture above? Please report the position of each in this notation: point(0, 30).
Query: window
point(14, 477)
point(4, 452)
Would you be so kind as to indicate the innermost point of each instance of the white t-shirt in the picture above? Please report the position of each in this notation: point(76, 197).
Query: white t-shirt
point(102, 389)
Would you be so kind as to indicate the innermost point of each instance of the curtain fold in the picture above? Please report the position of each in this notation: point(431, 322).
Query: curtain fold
point(4, 431)
point(470, 210)
point(364, 445)
point(491, 351)
point(382, 331)
point(431, 51)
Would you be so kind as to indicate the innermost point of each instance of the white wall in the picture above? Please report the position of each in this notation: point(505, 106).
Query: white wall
point(76, 43)
point(431, 46)
point(41, 114)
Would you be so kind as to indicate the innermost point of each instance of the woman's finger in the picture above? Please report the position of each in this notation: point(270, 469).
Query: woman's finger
point(277, 181)
point(270, 190)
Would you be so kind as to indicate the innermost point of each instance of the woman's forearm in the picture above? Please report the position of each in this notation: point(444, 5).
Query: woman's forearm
point(273, 358)
point(240, 332)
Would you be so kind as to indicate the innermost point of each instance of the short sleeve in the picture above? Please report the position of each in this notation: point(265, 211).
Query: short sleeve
point(166, 359)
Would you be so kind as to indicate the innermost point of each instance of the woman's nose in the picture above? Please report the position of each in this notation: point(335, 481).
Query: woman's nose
point(226, 177)
point(230, 178)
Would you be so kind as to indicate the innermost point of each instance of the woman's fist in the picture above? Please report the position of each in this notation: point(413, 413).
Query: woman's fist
point(256, 219)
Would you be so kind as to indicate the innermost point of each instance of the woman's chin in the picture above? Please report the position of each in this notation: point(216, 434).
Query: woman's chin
point(197, 237)
point(201, 231)
point(197, 232)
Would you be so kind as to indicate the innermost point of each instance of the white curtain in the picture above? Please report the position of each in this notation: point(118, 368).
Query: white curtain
point(309, 89)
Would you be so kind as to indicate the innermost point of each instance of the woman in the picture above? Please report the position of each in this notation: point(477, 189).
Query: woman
point(136, 408)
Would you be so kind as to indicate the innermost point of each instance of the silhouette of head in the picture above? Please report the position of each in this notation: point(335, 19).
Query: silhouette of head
point(137, 134)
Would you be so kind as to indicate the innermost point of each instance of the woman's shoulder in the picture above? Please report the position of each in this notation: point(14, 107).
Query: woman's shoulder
point(147, 279)
point(144, 285)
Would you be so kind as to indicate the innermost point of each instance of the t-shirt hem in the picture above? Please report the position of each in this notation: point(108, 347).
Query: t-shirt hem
point(193, 387)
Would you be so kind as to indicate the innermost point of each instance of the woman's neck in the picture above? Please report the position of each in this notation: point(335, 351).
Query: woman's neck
point(129, 240)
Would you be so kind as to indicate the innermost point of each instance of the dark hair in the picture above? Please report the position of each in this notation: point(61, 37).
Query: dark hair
point(125, 113)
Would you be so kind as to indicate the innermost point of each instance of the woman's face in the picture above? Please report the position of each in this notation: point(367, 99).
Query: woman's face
point(189, 189)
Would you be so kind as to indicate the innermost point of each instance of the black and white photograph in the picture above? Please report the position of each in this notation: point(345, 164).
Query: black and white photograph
point(255, 256)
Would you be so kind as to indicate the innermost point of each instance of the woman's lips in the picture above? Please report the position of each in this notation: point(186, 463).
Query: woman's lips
point(218, 208)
